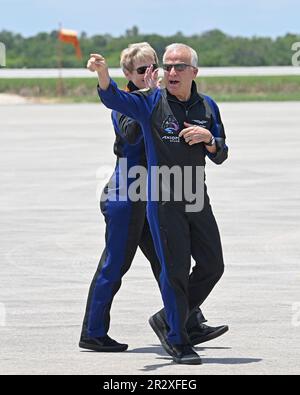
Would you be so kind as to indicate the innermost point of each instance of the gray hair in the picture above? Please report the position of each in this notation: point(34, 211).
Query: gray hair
point(176, 46)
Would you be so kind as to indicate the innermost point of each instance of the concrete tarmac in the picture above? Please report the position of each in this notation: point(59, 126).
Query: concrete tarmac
point(54, 160)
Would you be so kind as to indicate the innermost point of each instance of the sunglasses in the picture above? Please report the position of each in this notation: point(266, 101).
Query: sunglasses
point(177, 66)
point(142, 70)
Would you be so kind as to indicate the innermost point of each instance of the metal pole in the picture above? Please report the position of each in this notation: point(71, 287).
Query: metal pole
point(59, 85)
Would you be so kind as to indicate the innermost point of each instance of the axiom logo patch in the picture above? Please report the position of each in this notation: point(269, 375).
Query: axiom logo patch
point(171, 139)
point(170, 125)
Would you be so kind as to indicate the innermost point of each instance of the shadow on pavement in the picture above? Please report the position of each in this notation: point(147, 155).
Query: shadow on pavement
point(154, 349)
point(163, 356)
point(157, 349)
point(221, 361)
point(198, 348)
point(230, 361)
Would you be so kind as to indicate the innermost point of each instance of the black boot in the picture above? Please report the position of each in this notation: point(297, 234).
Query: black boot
point(102, 344)
point(161, 329)
point(198, 334)
point(185, 354)
point(203, 333)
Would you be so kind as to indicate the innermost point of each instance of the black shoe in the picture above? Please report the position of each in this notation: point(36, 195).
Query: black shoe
point(102, 344)
point(185, 354)
point(160, 328)
point(203, 333)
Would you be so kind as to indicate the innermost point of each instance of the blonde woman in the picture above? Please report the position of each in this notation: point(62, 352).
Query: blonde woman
point(126, 224)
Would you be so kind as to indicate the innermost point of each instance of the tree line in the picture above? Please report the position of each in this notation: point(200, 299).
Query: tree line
point(214, 47)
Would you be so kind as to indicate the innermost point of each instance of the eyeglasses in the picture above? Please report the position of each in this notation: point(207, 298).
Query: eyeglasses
point(178, 66)
point(142, 70)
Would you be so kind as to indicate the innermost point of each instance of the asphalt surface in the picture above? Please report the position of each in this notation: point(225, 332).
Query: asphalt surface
point(54, 160)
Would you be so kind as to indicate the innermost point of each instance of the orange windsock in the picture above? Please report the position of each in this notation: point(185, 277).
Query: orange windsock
point(70, 37)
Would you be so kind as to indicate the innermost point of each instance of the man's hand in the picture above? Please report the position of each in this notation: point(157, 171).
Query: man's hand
point(97, 63)
point(151, 78)
point(194, 134)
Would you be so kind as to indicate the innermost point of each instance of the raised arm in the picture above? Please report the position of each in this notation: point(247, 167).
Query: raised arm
point(137, 106)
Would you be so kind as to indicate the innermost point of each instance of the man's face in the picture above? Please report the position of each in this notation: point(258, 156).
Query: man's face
point(134, 76)
point(177, 82)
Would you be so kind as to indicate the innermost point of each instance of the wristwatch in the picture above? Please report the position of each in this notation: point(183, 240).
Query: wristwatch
point(211, 141)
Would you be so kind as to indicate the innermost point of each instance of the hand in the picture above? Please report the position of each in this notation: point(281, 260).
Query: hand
point(151, 78)
point(194, 134)
point(98, 63)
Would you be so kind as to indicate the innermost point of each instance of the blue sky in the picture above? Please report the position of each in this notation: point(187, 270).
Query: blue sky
point(244, 18)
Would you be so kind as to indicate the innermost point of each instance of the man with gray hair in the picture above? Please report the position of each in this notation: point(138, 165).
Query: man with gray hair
point(180, 127)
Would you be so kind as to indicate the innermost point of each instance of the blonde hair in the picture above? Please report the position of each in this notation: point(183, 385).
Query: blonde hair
point(136, 52)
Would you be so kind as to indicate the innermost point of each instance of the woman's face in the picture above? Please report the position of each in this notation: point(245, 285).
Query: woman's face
point(134, 76)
